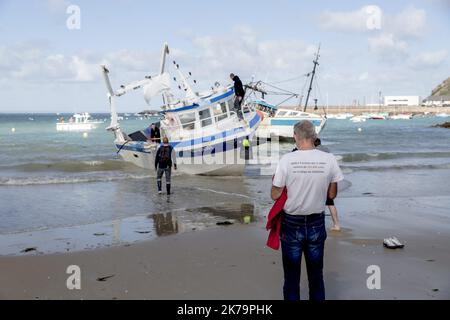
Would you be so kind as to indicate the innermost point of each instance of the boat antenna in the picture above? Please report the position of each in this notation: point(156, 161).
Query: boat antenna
point(316, 63)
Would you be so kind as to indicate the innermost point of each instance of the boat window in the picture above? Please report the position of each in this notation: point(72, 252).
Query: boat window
point(281, 113)
point(205, 117)
point(188, 120)
point(220, 111)
point(293, 113)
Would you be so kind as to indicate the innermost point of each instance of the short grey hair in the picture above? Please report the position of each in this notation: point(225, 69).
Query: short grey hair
point(305, 130)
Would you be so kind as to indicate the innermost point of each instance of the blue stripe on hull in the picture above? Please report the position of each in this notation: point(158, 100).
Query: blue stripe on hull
point(292, 122)
point(200, 151)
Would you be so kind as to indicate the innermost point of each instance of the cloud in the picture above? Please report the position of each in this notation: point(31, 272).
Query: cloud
point(31, 63)
point(58, 6)
point(243, 52)
point(350, 21)
point(408, 23)
point(428, 59)
point(211, 59)
point(387, 45)
point(363, 76)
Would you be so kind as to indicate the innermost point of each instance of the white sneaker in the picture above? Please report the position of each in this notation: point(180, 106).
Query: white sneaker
point(397, 242)
point(388, 243)
point(159, 192)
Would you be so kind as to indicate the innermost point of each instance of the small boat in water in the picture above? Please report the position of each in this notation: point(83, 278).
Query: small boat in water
point(78, 122)
point(401, 117)
point(376, 115)
point(203, 127)
point(442, 115)
point(340, 116)
point(279, 122)
point(358, 119)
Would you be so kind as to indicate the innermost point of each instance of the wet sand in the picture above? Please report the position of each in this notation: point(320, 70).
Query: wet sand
point(232, 262)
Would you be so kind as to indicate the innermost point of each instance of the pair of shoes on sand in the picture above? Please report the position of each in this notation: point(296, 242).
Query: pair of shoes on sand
point(392, 243)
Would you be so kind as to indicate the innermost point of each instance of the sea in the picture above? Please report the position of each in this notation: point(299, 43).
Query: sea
point(68, 191)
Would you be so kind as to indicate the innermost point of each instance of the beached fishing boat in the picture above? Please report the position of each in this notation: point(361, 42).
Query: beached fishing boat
point(203, 128)
point(279, 121)
point(78, 122)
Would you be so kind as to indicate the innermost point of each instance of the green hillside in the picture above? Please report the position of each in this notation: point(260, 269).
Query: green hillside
point(443, 89)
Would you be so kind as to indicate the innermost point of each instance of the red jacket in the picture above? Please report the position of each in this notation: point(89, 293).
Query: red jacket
point(274, 220)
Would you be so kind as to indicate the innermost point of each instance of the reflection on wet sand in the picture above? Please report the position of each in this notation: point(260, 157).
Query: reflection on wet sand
point(165, 224)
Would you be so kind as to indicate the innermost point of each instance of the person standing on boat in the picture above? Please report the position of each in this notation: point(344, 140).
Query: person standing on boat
point(239, 93)
point(153, 134)
point(164, 160)
point(310, 177)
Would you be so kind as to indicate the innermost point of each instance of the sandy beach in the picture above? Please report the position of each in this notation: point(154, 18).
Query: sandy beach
point(232, 262)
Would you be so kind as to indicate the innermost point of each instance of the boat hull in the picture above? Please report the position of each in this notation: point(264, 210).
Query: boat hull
point(284, 128)
point(207, 156)
point(75, 126)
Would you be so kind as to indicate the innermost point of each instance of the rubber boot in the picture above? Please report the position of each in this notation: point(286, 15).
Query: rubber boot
point(168, 188)
point(159, 186)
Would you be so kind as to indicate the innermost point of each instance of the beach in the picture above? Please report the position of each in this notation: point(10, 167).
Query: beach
point(232, 262)
point(91, 210)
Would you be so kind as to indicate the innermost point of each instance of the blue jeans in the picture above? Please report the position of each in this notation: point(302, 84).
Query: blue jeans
point(303, 234)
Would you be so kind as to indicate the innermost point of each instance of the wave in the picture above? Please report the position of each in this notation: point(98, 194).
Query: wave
point(372, 156)
point(394, 167)
point(27, 181)
point(69, 166)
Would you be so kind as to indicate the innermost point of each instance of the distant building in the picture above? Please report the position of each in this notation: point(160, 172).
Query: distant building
point(437, 101)
point(401, 101)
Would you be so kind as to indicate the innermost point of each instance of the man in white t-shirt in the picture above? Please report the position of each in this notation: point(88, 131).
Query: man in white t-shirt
point(310, 177)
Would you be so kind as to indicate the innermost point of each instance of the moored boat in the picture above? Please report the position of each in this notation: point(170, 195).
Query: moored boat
point(78, 122)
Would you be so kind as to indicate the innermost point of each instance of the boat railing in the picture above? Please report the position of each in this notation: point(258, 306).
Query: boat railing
point(191, 125)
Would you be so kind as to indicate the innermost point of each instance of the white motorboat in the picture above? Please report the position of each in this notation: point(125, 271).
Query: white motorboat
point(203, 128)
point(78, 122)
point(280, 122)
point(340, 116)
point(376, 115)
point(401, 117)
point(442, 115)
point(358, 119)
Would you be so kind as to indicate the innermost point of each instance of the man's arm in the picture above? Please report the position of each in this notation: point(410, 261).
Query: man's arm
point(174, 158)
point(157, 158)
point(276, 192)
point(332, 190)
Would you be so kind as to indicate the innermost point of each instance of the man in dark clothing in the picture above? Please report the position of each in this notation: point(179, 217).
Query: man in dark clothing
point(153, 134)
point(164, 159)
point(239, 92)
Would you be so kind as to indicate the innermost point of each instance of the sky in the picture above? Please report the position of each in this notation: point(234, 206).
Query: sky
point(50, 55)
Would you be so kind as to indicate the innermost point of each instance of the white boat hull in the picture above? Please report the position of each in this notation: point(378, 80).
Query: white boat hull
point(207, 165)
point(75, 126)
point(284, 128)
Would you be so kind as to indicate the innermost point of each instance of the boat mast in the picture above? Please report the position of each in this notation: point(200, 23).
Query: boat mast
point(164, 53)
point(316, 63)
point(112, 99)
